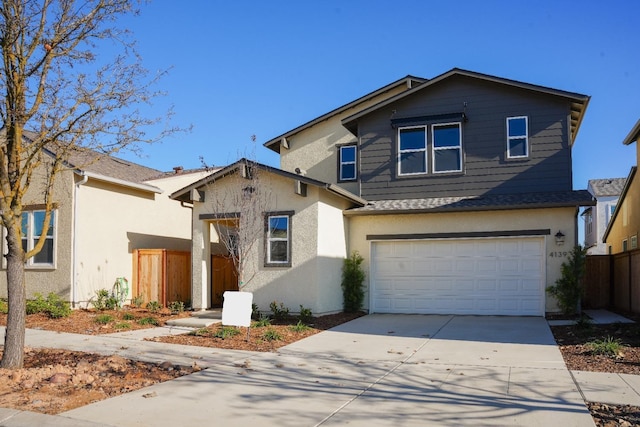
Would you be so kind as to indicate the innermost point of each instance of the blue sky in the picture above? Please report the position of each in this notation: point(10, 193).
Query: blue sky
point(242, 68)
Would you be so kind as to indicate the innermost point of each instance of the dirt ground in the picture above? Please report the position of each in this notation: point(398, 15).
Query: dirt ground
point(55, 381)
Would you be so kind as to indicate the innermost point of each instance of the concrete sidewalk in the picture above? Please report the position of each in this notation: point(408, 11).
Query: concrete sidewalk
point(379, 370)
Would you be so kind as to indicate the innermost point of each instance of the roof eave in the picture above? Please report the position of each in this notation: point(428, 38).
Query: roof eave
point(633, 135)
point(627, 184)
point(121, 182)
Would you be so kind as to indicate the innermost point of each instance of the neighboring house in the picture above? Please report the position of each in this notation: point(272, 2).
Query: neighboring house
point(622, 233)
point(457, 192)
point(597, 218)
point(104, 208)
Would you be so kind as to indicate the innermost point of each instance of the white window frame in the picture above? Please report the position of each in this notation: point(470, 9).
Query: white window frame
point(344, 163)
point(526, 137)
point(269, 239)
point(32, 240)
point(634, 242)
point(423, 150)
point(434, 148)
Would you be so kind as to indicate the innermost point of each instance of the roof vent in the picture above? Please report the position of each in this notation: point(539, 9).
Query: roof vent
point(178, 169)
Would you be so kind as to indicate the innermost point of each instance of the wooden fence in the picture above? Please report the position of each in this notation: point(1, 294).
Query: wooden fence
point(613, 281)
point(161, 275)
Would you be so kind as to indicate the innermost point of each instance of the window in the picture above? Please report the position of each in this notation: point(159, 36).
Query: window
point(32, 225)
point(412, 151)
point(634, 242)
point(278, 239)
point(447, 148)
point(517, 137)
point(588, 219)
point(348, 163)
point(624, 246)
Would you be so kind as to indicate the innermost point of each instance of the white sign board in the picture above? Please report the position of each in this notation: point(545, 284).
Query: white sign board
point(236, 308)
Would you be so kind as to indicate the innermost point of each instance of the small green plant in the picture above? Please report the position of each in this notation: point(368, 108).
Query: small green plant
point(202, 332)
point(271, 335)
point(122, 325)
point(128, 316)
point(353, 282)
point(137, 301)
point(148, 321)
point(154, 306)
point(53, 306)
point(609, 346)
point(105, 300)
point(103, 319)
point(584, 323)
point(568, 288)
point(299, 327)
point(262, 322)
point(4, 307)
point(306, 316)
point(176, 307)
point(226, 332)
point(255, 312)
point(279, 312)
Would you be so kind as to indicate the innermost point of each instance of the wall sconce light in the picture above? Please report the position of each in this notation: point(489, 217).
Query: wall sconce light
point(559, 238)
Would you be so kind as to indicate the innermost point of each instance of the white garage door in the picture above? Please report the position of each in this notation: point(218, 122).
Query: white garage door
point(499, 276)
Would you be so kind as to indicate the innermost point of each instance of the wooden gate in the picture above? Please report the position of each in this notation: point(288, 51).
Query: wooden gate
point(161, 275)
point(224, 277)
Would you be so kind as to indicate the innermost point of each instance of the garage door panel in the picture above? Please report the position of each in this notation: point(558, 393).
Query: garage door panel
point(475, 276)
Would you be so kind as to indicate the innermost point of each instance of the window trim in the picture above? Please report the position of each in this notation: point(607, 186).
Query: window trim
point(434, 148)
point(268, 240)
point(424, 150)
point(526, 137)
point(342, 163)
point(633, 242)
point(30, 263)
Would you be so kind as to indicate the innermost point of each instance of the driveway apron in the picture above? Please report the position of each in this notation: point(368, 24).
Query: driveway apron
point(378, 370)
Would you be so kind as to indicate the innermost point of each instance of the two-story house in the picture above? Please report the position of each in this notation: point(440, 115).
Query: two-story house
point(457, 192)
point(596, 218)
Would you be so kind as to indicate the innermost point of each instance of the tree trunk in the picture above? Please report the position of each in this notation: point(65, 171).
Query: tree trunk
point(13, 354)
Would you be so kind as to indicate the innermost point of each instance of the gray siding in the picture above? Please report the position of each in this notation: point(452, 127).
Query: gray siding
point(486, 170)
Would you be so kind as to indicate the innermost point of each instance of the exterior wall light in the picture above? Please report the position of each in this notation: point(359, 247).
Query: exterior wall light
point(559, 238)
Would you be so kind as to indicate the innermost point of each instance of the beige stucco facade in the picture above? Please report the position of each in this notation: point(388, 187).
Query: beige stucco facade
point(626, 223)
point(558, 219)
point(318, 246)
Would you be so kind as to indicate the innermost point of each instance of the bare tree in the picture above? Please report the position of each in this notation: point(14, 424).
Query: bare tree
point(240, 206)
point(64, 94)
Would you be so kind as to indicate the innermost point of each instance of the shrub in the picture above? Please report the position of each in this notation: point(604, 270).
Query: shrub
point(299, 327)
point(279, 312)
point(137, 301)
point(271, 335)
point(4, 307)
point(306, 316)
point(154, 306)
point(261, 323)
point(607, 347)
point(352, 282)
point(226, 332)
point(176, 307)
point(122, 325)
point(255, 312)
point(128, 316)
point(103, 319)
point(148, 321)
point(53, 306)
point(105, 300)
point(568, 288)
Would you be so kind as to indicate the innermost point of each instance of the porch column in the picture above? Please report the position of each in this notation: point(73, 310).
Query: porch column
point(200, 265)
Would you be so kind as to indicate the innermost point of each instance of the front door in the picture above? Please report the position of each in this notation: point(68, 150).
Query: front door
point(224, 277)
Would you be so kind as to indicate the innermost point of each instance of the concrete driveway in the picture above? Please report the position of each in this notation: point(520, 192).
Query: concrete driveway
point(378, 370)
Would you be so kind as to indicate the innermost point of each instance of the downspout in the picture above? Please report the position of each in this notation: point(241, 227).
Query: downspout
point(74, 263)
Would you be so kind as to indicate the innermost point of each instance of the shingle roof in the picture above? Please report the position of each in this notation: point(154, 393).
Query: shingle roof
point(113, 167)
point(607, 186)
point(477, 203)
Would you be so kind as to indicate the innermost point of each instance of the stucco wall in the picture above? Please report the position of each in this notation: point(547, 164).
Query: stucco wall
point(314, 149)
point(560, 219)
point(601, 218)
point(317, 247)
point(627, 220)
point(114, 220)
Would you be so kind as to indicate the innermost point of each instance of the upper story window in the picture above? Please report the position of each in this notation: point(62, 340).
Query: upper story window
point(588, 219)
point(32, 227)
point(610, 210)
point(447, 148)
point(517, 137)
point(348, 155)
point(412, 151)
point(278, 240)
